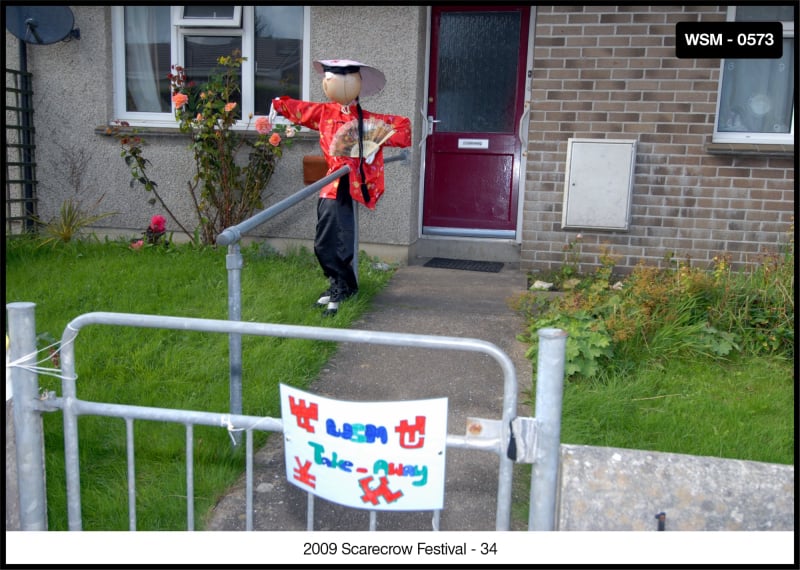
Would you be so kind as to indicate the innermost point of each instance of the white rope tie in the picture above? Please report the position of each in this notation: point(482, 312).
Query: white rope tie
point(36, 368)
point(225, 421)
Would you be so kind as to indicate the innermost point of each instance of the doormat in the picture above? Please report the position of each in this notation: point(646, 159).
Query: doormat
point(466, 264)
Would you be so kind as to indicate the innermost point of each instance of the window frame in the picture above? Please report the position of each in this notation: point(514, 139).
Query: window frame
point(177, 33)
point(235, 21)
point(748, 137)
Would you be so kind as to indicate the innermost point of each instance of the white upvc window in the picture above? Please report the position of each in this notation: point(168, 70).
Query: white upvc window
point(207, 16)
point(755, 102)
point(149, 39)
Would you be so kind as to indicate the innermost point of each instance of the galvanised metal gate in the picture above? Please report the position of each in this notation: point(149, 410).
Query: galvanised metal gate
point(525, 440)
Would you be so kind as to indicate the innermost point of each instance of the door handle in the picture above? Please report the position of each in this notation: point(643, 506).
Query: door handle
point(430, 122)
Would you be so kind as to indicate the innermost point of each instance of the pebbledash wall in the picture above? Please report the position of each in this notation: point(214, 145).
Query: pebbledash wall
point(604, 72)
point(610, 72)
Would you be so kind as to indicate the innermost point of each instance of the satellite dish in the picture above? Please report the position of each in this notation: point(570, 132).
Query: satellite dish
point(41, 25)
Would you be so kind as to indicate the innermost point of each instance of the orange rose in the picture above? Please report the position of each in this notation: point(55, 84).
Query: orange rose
point(179, 100)
point(263, 126)
point(230, 107)
point(275, 139)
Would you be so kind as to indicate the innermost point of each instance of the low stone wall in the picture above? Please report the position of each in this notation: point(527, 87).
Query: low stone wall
point(608, 489)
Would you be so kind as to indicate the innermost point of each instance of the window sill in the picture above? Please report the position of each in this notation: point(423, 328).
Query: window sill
point(749, 149)
point(106, 130)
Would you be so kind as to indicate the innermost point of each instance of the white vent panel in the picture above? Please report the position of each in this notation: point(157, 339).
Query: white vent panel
point(598, 184)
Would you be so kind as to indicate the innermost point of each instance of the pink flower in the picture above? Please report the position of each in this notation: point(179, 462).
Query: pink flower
point(158, 223)
point(263, 125)
point(230, 107)
point(179, 100)
point(138, 244)
point(275, 139)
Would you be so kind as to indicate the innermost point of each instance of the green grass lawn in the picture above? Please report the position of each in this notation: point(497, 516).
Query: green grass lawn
point(743, 409)
point(165, 368)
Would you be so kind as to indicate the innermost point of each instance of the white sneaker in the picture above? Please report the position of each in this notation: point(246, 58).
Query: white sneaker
point(325, 297)
point(331, 309)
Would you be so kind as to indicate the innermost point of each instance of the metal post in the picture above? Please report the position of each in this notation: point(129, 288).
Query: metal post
point(549, 395)
point(27, 421)
point(69, 392)
point(233, 263)
point(355, 240)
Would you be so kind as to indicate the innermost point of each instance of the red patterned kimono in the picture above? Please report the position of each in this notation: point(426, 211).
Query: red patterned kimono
point(338, 130)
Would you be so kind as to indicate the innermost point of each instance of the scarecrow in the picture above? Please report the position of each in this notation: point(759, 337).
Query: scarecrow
point(350, 136)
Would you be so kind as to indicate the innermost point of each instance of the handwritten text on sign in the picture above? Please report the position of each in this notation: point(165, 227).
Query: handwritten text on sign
point(370, 455)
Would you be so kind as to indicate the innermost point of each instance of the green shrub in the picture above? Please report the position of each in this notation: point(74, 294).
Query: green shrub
point(658, 314)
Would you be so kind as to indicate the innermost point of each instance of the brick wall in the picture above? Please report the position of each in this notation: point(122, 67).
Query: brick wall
point(610, 72)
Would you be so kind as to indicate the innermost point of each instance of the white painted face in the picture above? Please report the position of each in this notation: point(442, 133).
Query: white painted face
point(341, 88)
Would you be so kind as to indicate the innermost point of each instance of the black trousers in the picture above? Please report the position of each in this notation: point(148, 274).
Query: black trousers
point(334, 241)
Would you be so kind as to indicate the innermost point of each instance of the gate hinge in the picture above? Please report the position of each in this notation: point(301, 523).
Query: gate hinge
point(523, 436)
point(521, 444)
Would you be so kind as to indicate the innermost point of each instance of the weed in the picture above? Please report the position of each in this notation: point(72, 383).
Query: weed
point(656, 314)
point(69, 222)
point(73, 216)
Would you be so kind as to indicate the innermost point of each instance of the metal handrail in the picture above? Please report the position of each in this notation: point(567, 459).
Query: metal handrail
point(231, 236)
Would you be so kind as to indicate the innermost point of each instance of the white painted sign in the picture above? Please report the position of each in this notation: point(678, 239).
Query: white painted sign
point(372, 455)
point(473, 143)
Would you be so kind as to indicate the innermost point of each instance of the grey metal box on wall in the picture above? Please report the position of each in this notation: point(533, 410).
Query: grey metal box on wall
point(598, 184)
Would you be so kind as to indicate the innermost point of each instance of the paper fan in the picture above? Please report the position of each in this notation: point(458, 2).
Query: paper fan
point(345, 141)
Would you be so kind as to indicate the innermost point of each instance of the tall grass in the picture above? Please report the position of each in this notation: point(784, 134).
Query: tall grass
point(172, 369)
point(685, 359)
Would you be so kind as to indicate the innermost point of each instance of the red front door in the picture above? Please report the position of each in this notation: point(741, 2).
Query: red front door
point(475, 102)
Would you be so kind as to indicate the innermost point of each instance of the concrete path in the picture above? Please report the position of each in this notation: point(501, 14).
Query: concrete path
point(421, 300)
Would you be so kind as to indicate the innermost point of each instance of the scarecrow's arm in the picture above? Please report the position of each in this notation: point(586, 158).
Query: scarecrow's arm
point(304, 113)
point(402, 131)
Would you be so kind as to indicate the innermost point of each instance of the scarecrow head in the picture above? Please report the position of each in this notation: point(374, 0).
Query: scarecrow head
point(345, 80)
